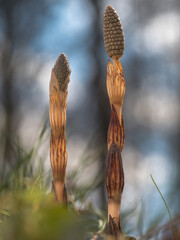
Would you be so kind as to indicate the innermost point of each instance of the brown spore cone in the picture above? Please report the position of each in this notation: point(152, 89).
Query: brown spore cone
point(113, 33)
point(62, 71)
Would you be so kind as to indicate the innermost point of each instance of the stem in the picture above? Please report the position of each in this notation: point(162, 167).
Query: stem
point(118, 108)
point(113, 210)
point(59, 190)
point(57, 114)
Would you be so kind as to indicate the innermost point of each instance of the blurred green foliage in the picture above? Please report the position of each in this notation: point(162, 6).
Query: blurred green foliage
point(28, 209)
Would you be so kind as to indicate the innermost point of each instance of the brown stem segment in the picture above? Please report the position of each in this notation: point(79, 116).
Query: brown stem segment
point(116, 85)
point(115, 174)
point(114, 228)
point(58, 156)
point(116, 130)
point(59, 191)
point(114, 184)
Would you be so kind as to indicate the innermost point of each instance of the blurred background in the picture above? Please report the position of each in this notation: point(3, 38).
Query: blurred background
point(33, 34)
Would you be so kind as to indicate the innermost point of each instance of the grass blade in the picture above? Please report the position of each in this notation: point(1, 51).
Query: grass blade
point(173, 228)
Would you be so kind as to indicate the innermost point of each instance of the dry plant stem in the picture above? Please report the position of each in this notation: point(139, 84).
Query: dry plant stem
point(116, 131)
point(114, 230)
point(58, 157)
point(114, 44)
point(113, 211)
point(60, 193)
point(116, 138)
point(59, 190)
point(58, 153)
point(115, 184)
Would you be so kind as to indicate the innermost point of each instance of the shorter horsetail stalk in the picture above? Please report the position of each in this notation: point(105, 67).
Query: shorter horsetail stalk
point(60, 78)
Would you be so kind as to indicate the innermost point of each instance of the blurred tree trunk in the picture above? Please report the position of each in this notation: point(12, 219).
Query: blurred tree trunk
point(99, 94)
point(7, 80)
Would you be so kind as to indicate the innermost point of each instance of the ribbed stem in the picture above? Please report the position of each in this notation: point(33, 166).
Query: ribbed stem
point(60, 77)
point(115, 139)
point(59, 190)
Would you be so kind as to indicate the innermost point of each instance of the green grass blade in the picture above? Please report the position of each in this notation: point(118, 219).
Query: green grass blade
point(173, 228)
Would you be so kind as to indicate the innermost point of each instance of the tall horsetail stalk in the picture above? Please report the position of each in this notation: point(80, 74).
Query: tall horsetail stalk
point(114, 44)
point(60, 77)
